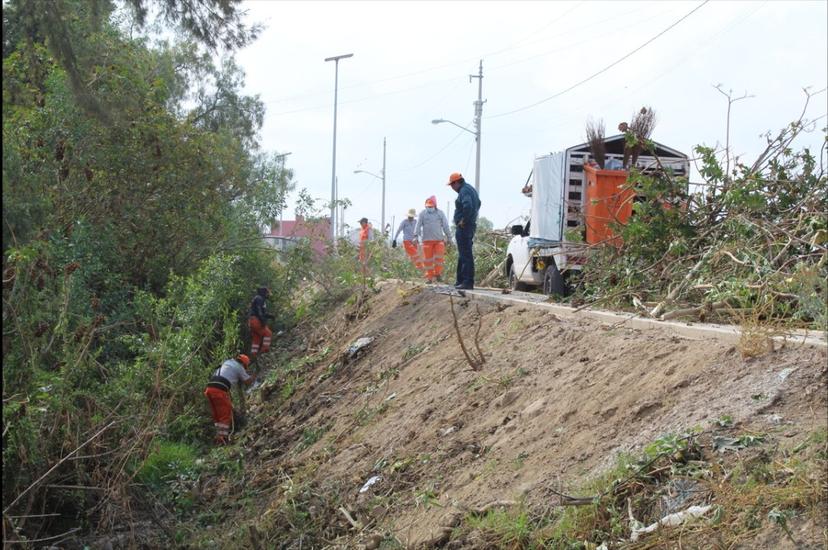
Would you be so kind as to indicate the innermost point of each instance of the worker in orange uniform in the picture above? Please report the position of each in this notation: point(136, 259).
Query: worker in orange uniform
point(364, 234)
point(433, 231)
point(231, 373)
point(408, 227)
point(260, 334)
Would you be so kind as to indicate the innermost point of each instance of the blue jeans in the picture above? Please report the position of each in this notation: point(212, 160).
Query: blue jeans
point(465, 256)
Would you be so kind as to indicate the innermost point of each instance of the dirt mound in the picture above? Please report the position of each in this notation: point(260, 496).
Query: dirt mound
point(556, 402)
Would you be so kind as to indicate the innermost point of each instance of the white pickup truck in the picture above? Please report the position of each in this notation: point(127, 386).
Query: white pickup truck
point(539, 254)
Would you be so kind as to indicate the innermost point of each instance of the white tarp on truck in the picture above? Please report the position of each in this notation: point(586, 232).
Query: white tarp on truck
point(546, 221)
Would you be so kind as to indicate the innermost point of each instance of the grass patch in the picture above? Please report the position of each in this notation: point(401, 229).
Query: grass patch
point(412, 351)
point(310, 436)
point(366, 415)
point(513, 528)
point(167, 461)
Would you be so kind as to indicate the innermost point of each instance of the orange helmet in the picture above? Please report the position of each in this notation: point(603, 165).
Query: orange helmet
point(454, 177)
point(245, 360)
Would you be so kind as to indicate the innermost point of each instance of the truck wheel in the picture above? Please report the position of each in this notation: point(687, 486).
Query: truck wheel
point(514, 283)
point(553, 282)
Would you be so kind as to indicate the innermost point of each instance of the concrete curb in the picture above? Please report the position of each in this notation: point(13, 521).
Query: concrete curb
point(695, 331)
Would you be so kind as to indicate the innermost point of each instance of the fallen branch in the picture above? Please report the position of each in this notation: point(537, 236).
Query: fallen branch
point(354, 523)
point(567, 500)
point(692, 311)
point(482, 510)
point(492, 274)
point(657, 311)
point(60, 536)
point(477, 336)
point(473, 362)
point(59, 462)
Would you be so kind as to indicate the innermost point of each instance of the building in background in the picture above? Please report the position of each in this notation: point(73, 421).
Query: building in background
point(287, 233)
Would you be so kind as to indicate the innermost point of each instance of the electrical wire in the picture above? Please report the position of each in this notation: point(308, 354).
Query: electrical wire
point(709, 41)
point(544, 27)
point(605, 69)
point(460, 133)
point(427, 69)
point(615, 30)
point(468, 159)
point(456, 80)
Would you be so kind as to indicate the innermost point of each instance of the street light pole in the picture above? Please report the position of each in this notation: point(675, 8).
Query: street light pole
point(380, 177)
point(335, 59)
point(478, 115)
point(382, 220)
point(282, 210)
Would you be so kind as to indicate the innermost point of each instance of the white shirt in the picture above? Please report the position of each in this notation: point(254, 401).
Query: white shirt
point(233, 371)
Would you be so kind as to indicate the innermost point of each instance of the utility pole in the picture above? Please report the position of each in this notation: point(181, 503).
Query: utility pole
point(382, 219)
point(335, 59)
point(478, 115)
point(335, 218)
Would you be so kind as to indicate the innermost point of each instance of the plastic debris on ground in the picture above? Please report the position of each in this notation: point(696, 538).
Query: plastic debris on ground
point(358, 346)
point(370, 482)
point(671, 520)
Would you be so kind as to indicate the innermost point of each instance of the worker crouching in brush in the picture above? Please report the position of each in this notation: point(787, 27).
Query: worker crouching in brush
point(260, 334)
point(231, 373)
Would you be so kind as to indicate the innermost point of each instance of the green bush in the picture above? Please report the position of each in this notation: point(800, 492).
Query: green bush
point(167, 461)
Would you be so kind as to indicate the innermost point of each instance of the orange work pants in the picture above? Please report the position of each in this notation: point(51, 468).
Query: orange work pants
point(222, 409)
point(260, 336)
point(433, 252)
point(413, 252)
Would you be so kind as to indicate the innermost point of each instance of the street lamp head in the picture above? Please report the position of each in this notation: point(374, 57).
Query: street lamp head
point(437, 121)
point(338, 57)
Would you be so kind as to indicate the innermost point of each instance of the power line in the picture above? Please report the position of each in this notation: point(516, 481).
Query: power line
point(460, 133)
point(605, 69)
point(536, 31)
point(439, 81)
point(368, 98)
point(428, 69)
point(468, 159)
point(710, 41)
point(616, 29)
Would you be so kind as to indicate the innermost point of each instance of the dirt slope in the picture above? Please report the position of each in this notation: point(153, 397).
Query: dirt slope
point(555, 402)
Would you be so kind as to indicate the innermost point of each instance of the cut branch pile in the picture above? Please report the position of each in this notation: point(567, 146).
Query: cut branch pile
point(747, 243)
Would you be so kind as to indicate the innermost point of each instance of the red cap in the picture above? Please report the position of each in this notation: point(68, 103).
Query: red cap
point(431, 201)
point(454, 177)
point(244, 359)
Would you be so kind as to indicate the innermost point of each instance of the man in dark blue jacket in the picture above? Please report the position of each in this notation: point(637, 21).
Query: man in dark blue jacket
point(466, 208)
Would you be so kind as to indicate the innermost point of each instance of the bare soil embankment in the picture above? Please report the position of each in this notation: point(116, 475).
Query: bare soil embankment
point(556, 402)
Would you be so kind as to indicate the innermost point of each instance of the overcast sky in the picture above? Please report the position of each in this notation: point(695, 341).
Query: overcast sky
point(412, 62)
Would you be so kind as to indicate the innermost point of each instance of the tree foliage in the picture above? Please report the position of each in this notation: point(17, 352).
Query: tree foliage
point(749, 242)
point(134, 187)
